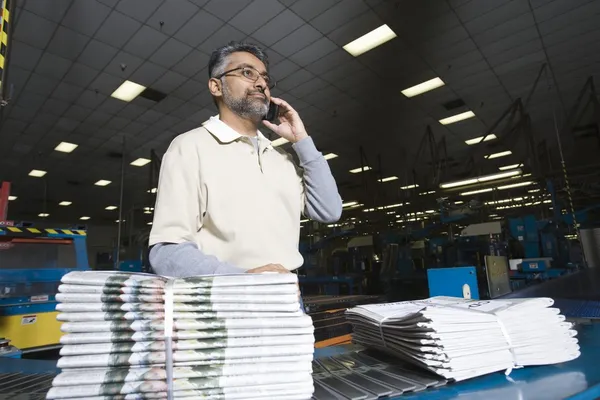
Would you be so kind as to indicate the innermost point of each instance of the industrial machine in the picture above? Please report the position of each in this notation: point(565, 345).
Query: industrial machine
point(32, 263)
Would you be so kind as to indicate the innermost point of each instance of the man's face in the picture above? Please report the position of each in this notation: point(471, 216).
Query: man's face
point(245, 97)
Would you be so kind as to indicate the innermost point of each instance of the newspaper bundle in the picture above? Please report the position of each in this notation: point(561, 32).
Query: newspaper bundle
point(461, 339)
point(233, 337)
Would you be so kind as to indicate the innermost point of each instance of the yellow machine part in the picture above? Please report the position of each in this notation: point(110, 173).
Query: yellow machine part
point(31, 330)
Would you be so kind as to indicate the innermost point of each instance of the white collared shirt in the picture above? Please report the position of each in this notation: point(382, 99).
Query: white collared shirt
point(235, 203)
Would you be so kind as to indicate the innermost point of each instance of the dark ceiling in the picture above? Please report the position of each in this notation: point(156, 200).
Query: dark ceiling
point(68, 56)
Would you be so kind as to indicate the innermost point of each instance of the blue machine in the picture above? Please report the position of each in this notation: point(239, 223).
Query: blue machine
point(32, 263)
point(454, 282)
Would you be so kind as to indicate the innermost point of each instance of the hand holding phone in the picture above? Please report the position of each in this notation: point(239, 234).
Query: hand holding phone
point(289, 126)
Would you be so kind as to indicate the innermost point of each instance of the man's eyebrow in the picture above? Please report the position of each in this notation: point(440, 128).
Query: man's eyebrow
point(244, 65)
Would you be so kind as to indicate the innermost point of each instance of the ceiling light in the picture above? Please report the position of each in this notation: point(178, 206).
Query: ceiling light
point(457, 118)
point(279, 142)
point(150, 223)
point(128, 91)
point(459, 202)
point(140, 162)
point(303, 220)
point(423, 87)
point(37, 173)
point(153, 190)
point(409, 187)
point(361, 169)
point(110, 208)
point(12, 198)
point(476, 192)
point(501, 154)
point(514, 185)
point(458, 183)
point(478, 139)
point(65, 203)
point(512, 166)
point(499, 175)
point(117, 221)
point(370, 40)
point(350, 203)
point(330, 156)
point(84, 218)
point(102, 182)
point(485, 178)
point(43, 215)
point(529, 191)
point(388, 179)
point(429, 211)
point(65, 147)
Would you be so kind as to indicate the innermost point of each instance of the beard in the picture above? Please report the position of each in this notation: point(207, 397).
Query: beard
point(253, 108)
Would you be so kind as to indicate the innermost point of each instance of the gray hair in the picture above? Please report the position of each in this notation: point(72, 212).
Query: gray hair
point(218, 58)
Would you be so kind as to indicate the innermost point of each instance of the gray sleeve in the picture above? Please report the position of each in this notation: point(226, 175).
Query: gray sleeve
point(323, 202)
point(185, 259)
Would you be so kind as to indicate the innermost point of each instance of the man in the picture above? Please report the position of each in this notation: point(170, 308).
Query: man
point(228, 201)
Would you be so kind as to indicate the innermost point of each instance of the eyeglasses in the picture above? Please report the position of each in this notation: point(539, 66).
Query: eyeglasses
point(251, 75)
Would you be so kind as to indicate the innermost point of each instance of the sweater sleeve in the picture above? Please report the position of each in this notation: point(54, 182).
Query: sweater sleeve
point(323, 202)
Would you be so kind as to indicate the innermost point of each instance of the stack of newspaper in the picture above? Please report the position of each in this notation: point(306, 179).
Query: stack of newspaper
point(461, 339)
point(233, 337)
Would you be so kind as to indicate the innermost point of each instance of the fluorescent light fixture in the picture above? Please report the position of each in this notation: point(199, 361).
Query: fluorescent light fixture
point(128, 91)
point(485, 178)
point(102, 182)
point(514, 185)
point(429, 211)
point(370, 40)
point(423, 87)
point(65, 147)
point(330, 156)
point(153, 190)
point(12, 198)
point(476, 140)
point(457, 118)
point(110, 208)
point(459, 202)
point(388, 179)
point(150, 223)
point(501, 154)
point(84, 218)
point(458, 183)
point(303, 220)
point(512, 166)
point(279, 142)
point(37, 173)
point(529, 191)
point(350, 203)
point(361, 169)
point(499, 175)
point(117, 221)
point(140, 162)
point(476, 192)
point(409, 187)
point(43, 215)
point(65, 203)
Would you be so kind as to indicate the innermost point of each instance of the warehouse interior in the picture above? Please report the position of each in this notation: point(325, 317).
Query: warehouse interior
point(463, 144)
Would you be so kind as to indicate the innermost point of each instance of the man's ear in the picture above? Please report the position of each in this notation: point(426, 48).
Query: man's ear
point(214, 86)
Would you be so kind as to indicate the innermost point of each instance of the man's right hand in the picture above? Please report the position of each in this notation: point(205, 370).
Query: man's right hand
point(269, 268)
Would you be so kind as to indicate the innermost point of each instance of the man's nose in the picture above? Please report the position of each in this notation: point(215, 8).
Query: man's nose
point(261, 84)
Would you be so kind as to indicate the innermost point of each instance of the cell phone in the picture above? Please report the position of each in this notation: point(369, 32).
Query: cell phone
point(273, 112)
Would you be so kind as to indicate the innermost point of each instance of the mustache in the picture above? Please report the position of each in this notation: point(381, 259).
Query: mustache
point(260, 92)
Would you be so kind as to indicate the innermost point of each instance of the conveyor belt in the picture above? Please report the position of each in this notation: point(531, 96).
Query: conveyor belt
point(577, 295)
point(18, 386)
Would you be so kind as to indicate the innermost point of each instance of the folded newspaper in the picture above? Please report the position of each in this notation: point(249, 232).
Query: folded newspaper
point(233, 337)
point(461, 339)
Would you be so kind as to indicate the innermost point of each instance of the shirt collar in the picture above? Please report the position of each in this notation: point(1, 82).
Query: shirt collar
point(224, 133)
